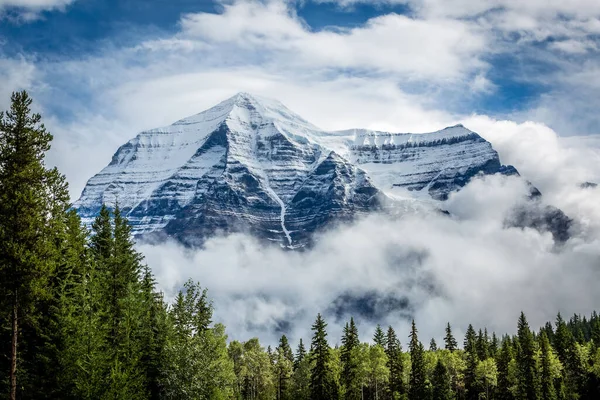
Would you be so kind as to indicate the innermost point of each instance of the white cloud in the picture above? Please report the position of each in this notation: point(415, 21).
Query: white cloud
point(28, 10)
point(433, 49)
point(465, 269)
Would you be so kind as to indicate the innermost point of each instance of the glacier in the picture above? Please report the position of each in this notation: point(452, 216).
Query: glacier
point(249, 164)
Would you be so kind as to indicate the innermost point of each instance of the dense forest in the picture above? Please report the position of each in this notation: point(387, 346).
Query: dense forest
point(81, 318)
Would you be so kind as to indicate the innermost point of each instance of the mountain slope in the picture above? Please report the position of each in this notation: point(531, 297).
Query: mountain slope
point(250, 164)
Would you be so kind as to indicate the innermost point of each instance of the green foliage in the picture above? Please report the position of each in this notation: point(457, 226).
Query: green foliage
point(322, 382)
point(449, 340)
point(528, 376)
point(395, 364)
point(349, 357)
point(441, 386)
point(89, 323)
point(418, 385)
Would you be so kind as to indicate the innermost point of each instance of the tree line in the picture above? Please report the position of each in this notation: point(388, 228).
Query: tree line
point(81, 318)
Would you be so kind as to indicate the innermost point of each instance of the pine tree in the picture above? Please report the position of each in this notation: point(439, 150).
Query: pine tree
point(29, 193)
point(526, 363)
point(350, 361)
point(494, 346)
point(482, 345)
point(441, 383)
point(395, 364)
point(504, 380)
point(322, 385)
point(379, 336)
point(470, 346)
point(548, 391)
point(432, 345)
point(284, 369)
point(300, 354)
point(418, 388)
point(449, 340)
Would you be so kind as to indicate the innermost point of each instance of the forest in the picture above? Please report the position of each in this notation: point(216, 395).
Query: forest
point(81, 318)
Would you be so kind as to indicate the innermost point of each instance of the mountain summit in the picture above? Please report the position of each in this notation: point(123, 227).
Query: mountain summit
point(250, 164)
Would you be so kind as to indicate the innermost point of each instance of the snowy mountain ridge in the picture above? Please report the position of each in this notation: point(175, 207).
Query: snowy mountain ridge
point(250, 164)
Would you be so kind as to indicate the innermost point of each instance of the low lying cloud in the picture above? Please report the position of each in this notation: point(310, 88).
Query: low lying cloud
point(467, 268)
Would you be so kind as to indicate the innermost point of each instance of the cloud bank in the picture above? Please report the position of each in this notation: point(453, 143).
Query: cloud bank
point(469, 268)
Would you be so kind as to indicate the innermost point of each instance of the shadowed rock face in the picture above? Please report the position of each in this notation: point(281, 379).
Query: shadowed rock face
point(251, 165)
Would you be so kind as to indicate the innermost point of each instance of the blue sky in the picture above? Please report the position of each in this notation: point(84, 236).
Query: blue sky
point(100, 71)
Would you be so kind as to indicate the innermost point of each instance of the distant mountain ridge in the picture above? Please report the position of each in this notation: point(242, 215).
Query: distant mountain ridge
point(250, 164)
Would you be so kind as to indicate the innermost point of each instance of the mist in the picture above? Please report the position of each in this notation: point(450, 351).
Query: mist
point(469, 267)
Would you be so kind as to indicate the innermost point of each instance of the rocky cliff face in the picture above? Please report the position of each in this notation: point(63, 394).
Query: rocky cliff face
point(250, 164)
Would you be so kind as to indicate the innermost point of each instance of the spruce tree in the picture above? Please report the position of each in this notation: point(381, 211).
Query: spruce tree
point(494, 346)
point(432, 345)
point(472, 357)
point(504, 391)
point(350, 362)
point(28, 196)
point(526, 363)
point(284, 369)
point(547, 390)
point(300, 354)
point(418, 387)
point(482, 345)
point(322, 385)
point(395, 364)
point(441, 389)
point(379, 336)
point(449, 340)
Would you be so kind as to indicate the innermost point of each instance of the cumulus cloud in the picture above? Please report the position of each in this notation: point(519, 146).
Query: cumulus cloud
point(28, 10)
point(434, 49)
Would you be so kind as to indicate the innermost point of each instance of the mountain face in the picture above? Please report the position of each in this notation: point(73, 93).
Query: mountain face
point(249, 164)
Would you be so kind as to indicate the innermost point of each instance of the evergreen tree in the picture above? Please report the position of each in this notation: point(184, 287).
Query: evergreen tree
point(284, 369)
point(504, 377)
point(395, 365)
point(322, 384)
point(30, 196)
point(548, 391)
point(494, 346)
point(350, 362)
point(449, 340)
point(441, 383)
point(418, 387)
point(482, 345)
point(472, 357)
point(379, 336)
point(432, 345)
point(526, 363)
point(300, 354)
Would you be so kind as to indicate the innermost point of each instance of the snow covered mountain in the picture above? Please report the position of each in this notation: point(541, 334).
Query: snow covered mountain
point(250, 164)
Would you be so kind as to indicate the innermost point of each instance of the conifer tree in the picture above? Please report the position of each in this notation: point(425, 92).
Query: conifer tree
point(300, 354)
point(395, 365)
point(504, 379)
point(284, 368)
point(470, 346)
point(418, 388)
point(494, 345)
point(28, 195)
point(432, 345)
point(301, 377)
point(547, 390)
point(322, 385)
point(379, 336)
point(350, 361)
point(449, 340)
point(482, 345)
point(441, 389)
point(526, 363)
